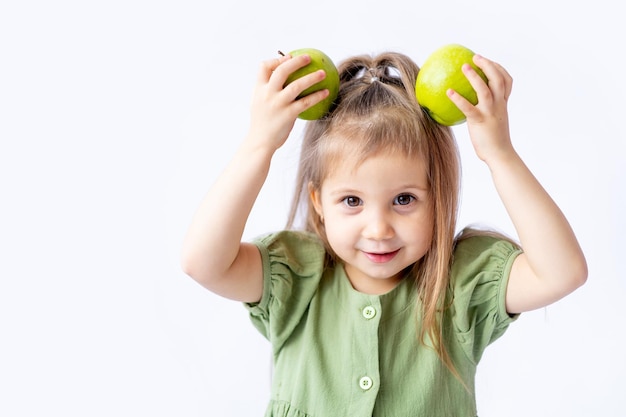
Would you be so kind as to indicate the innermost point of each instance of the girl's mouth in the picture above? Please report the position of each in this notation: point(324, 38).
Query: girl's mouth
point(380, 258)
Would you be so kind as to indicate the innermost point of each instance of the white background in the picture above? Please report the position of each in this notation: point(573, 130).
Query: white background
point(115, 118)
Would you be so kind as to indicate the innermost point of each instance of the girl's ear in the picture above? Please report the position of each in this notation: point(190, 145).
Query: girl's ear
point(316, 199)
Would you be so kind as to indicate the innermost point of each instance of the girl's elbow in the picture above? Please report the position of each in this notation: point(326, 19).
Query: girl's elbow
point(187, 266)
point(186, 260)
point(191, 267)
point(583, 273)
point(578, 274)
point(201, 270)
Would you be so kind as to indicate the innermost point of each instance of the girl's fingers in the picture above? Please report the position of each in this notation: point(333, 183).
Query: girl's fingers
point(462, 103)
point(286, 68)
point(488, 93)
point(296, 87)
point(273, 98)
point(478, 84)
point(500, 81)
point(508, 80)
point(310, 100)
point(268, 67)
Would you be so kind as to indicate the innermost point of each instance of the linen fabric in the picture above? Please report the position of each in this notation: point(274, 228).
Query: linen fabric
point(339, 352)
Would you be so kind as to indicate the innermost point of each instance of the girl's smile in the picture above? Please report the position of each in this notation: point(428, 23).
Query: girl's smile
point(378, 218)
point(380, 258)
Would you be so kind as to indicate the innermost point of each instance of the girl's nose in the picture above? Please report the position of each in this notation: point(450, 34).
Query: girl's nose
point(378, 227)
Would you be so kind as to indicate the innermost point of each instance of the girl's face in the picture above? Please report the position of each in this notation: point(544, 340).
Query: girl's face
point(378, 218)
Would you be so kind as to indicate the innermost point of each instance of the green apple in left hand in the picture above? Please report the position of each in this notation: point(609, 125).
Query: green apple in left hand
point(440, 72)
point(319, 60)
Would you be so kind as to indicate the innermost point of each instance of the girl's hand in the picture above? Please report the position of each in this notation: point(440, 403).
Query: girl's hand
point(275, 108)
point(487, 122)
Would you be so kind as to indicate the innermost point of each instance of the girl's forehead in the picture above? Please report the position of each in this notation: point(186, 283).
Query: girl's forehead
point(385, 166)
point(354, 158)
point(346, 147)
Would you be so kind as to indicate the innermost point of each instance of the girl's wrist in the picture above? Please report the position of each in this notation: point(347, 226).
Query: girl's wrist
point(253, 145)
point(504, 159)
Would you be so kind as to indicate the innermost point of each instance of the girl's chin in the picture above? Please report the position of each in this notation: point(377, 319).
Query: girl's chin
point(373, 281)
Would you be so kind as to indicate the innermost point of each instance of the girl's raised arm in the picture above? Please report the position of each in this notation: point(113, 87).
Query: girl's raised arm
point(552, 264)
point(213, 253)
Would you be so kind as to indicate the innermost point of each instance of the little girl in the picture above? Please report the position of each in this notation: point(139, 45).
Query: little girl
point(376, 308)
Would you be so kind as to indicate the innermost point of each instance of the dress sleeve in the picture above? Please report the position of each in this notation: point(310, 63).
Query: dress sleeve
point(292, 268)
point(479, 277)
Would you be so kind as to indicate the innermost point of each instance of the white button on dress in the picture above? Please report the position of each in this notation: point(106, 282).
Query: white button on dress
point(365, 383)
point(369, 312)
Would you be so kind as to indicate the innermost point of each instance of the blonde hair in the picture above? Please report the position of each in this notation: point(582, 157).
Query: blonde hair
point(377, 112)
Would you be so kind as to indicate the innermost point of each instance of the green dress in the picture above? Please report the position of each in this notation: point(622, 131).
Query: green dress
point(339, 352)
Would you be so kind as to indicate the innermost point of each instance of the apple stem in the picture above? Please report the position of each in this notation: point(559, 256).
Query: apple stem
point(281, 53)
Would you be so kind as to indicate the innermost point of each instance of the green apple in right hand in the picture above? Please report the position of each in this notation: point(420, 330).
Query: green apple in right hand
point(441, 71)
point(319, 60)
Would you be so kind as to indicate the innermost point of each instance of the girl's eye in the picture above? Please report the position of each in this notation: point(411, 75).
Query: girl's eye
point(352, 201)
point(403, 199)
